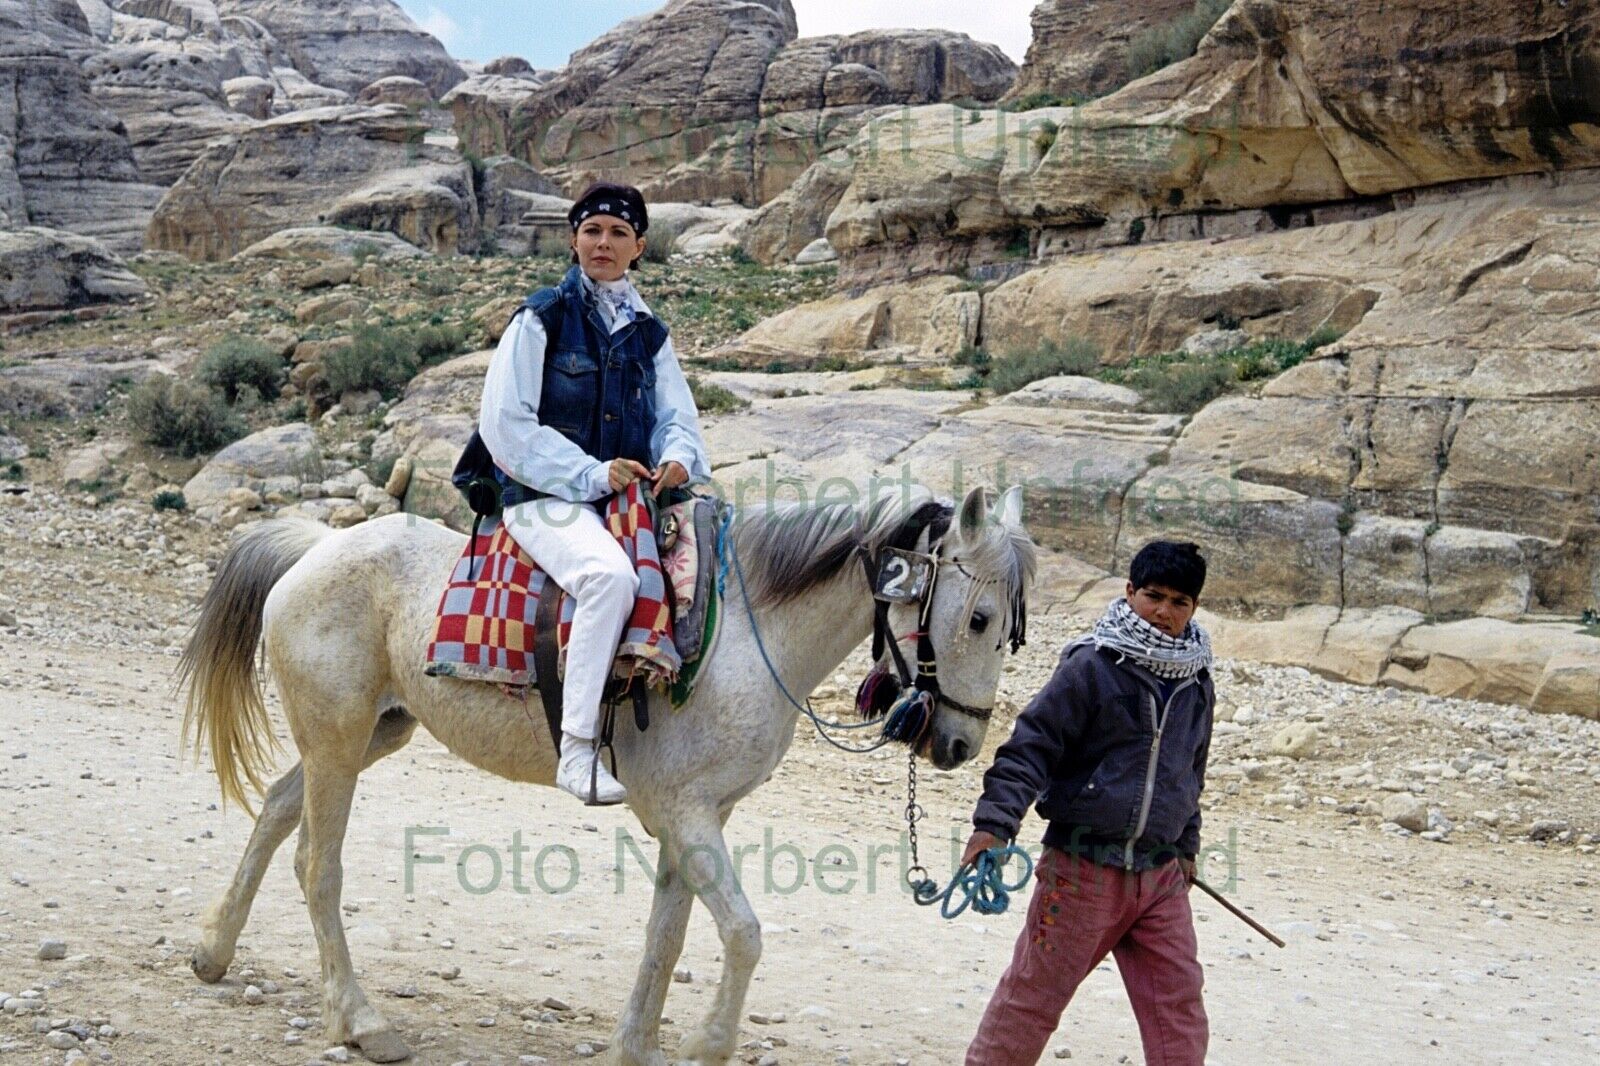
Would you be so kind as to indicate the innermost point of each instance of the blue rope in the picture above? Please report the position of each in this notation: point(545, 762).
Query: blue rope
point(979, 883)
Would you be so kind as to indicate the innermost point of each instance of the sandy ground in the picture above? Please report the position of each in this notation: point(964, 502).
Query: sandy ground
point(1475, 950)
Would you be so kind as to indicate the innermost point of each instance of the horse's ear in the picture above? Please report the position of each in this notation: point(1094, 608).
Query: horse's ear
point(1008, 509)
point(974, 511)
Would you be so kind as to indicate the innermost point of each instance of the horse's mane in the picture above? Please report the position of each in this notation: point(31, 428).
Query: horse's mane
point(791, 548)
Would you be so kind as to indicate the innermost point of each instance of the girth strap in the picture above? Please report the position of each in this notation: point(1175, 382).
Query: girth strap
point(546, 655)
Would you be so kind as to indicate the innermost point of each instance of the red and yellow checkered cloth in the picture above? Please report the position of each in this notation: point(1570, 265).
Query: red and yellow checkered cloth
point(484, 630)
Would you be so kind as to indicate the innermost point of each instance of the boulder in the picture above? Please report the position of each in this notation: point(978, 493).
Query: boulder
point(282, 451)
point(791, 223)
point(42, 269)
point(1406, 811)
point(362, 166)
point(700, 229)
point(1067, 390)
point(396, 89)
point(301, 243)
point(424, 434)
point(69, 384)
point(250, 95)
point(432, 205)
point(883, 324)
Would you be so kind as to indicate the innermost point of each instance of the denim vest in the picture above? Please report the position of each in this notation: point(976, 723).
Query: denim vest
point(598, 386)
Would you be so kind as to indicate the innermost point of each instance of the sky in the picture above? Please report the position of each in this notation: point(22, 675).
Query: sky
point(546, 32)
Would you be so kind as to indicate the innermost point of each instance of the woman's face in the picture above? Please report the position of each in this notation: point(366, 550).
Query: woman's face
point(605, 245)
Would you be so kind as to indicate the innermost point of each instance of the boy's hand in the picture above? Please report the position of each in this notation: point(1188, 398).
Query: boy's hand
point(979, 843)
point(1187, 866)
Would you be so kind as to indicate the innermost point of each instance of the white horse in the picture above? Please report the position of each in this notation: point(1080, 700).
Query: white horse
point(346, 618)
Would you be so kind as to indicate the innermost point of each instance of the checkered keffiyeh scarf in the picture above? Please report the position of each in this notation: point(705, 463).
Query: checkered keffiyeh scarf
point(484, 629)
point(1121, 629)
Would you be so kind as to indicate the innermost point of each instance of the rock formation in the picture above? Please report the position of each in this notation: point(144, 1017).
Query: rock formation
point(1080, 47)
point(1291, 112)
point(712, 99)
point(42, 269)
point(65, 161)
point(360, 166)
point(350, 44)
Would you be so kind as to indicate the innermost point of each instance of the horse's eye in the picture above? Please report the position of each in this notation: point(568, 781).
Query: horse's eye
point(980, 622)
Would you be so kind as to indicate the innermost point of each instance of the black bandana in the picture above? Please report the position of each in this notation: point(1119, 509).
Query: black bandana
point(619, 201)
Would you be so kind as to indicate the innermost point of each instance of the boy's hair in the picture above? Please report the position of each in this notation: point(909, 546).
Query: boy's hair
point(1173, 563)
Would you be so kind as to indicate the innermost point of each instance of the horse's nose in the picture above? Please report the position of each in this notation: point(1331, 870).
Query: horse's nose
point(959, 750)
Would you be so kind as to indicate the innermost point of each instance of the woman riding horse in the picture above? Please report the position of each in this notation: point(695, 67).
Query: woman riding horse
point(583, 397)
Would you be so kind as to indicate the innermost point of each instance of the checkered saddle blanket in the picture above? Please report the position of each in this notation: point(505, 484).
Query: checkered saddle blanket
point(485, 626)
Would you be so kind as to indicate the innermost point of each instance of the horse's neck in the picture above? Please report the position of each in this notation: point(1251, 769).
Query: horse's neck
point(810, 635)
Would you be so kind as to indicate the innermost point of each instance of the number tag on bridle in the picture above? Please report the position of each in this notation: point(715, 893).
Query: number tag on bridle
point(902, 576)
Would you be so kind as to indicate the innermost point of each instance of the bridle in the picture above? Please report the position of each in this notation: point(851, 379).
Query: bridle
point(934, 519)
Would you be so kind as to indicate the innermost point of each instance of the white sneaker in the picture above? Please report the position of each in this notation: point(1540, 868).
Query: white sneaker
point(578, 759)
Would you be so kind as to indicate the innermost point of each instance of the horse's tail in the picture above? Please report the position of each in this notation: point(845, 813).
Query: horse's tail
point(224, 707)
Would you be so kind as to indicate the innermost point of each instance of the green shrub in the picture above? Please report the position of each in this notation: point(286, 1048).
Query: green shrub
point(1010, 372)
point(12, 472)
point(241, 361)
point(1181, 388)
point(714, 399)
point(376, 358)
point(437, 343)
point(659, 241)
point(1035, 101)
point(169, 500)
point(182, 416)
point(1161, 46)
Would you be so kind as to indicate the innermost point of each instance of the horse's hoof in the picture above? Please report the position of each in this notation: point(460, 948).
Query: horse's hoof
point(205, 967)
point(702, 1048)
point(383, 1046)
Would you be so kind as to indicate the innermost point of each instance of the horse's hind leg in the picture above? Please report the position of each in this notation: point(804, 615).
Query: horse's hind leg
point(280, 812)
point(219, 930)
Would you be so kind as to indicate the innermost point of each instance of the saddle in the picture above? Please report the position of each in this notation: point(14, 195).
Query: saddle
point(503, 620)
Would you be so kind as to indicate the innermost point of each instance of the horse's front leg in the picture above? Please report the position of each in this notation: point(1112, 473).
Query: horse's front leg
point(707, 868)
point(638, 1037)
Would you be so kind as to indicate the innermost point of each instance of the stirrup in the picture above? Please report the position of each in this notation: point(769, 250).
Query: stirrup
point(593, 799)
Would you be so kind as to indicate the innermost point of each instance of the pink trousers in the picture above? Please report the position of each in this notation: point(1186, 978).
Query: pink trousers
point(1082, 911)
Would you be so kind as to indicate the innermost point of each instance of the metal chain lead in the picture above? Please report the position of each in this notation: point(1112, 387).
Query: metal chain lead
point(913, 812)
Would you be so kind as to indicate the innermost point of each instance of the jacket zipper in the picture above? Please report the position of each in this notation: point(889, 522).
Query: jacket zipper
point(1159, 724)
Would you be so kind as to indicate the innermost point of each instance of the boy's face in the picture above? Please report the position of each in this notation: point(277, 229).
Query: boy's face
point(1165, 608)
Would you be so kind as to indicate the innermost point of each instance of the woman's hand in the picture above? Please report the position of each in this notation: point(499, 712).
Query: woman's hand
point(669, 475)
point(624, 472)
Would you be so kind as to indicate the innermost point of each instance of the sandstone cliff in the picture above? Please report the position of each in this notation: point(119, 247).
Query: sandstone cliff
point(1291, 112)
point(1080, 47)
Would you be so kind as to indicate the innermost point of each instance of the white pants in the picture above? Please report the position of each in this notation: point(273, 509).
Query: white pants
point(570, 543)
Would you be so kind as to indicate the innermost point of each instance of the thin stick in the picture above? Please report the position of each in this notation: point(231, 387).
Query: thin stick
point(1236, 912)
